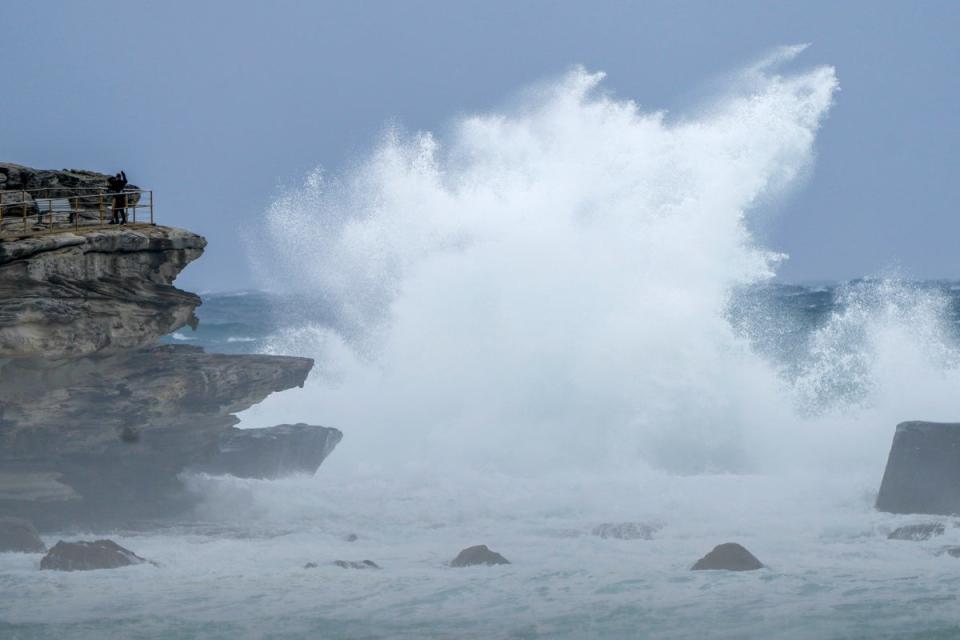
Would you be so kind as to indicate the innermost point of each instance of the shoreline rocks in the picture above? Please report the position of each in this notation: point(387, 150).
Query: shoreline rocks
point(478, 555)
point(88, 556)
point(917, 532)
point(729, 556)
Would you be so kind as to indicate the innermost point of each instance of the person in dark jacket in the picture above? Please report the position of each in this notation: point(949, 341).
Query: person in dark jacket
point(117, 184)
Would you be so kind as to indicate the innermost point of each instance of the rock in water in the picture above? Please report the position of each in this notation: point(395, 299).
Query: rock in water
point(85, 556)
point(363, 564)
point(480, 554)
point(728, 557)
point(17, 534)
point(917, 531)
point(626, 530)
point(923, 470)
point(273, 452)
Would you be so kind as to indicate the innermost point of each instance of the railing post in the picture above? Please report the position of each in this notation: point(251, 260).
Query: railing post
point(151, 207)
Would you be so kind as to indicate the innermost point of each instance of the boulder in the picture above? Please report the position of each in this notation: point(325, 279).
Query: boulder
point(362, 564)
point(626, 530)
point(86, 556)
point(480, 554)
point(923, 470)
point(729, 556)
point(917, 531)
point(17, 534)
point(272, 452)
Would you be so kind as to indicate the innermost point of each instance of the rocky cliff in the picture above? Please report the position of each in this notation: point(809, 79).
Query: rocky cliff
point(103, 290)
point(97, 422)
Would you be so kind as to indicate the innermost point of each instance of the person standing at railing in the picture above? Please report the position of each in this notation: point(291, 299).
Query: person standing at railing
point(117, 184)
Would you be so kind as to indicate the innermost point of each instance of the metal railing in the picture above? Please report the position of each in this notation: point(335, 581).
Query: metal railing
point(25, 212)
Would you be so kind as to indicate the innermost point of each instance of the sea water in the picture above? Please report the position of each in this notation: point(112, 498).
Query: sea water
point(554, 316)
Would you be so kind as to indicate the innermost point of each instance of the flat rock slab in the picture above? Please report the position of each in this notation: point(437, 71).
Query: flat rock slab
point(478, 555)
point(923, 470)
point(917, 532)
point(273, 452)
point(18, 535)
point(626, 530)
point(86, 556)
point(729, 556)
point(362, 564)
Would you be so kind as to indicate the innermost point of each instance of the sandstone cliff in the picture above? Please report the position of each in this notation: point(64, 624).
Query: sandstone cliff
point(97, 422)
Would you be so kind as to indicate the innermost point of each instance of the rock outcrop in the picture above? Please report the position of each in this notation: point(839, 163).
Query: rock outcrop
point(729, 556)
point(478, 555)
point(18, 535)
point(97, 423)
point(100, 291)
point(917, 532)
point(923, 470)
point(105, 439)
point(87, 556)
point(271, 453)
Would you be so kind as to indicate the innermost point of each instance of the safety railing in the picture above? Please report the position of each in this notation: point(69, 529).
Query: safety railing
point(25, 212)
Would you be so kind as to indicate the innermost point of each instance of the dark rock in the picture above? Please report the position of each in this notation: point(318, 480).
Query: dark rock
point(85, 556)
point(480, 554)
point(273, 452)
point(310, 565)
point(917, 531)
point(953, 552)
point(923, 470)
point(61, 460)
point(626, 530)
point(729, 556)
point(17, 534)
point(363, 564)
point(351, 537)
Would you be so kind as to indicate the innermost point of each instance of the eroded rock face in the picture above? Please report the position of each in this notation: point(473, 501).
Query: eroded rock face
point(68, 295)
point(923, 470)
point(87, 556)
point(478, 555)
point(18, 535)
point(729, 556)
point(917, 532)
point(274, 452)
point(102, 439)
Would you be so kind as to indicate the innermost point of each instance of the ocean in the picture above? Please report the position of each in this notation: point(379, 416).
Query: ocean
point(556, 316)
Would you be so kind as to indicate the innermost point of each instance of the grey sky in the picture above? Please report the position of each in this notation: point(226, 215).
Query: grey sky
point(215, 104)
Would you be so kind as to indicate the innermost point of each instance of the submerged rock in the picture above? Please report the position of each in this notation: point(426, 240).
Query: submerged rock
point(729, 556)
point(86, 556)
point(953, 552)
point(626, 530)
point(362, 564)
point(273, 452)
point(917, 531)
point(351, 537)
point(18, 535)
point(310, 565)
point(478, 555)
point(923, 470)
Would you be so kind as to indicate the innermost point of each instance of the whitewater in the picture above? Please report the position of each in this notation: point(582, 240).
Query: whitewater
point(544, 318)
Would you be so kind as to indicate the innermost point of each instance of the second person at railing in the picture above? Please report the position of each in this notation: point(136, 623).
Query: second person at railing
point(117, 184)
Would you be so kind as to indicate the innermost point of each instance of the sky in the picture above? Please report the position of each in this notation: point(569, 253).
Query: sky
point(219, 105)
